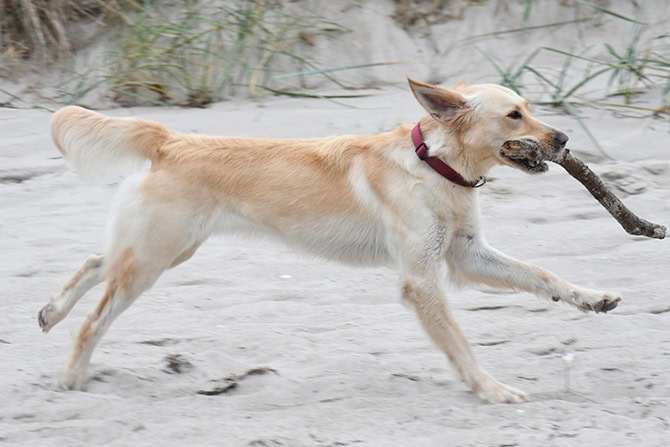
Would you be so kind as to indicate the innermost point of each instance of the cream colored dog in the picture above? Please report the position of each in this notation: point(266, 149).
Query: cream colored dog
point(359, 199)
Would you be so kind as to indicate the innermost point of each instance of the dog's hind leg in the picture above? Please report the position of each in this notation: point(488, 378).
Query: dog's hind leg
point(429, 304)
point(145, 238)
point(88, 276)
point(127, 278)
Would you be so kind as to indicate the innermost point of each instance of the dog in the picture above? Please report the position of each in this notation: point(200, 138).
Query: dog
point(406, 198)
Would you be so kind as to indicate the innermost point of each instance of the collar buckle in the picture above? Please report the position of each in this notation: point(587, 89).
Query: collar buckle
point(422, 151)
point(481, 181)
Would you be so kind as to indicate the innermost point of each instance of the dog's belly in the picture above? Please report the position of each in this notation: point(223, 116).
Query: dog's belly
point(342, 240)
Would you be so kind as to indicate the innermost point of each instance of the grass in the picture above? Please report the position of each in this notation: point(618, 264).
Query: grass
point(190, 56)
point(640, 63)
point(205, 55)
point(34, 28)
point(528, 6)
point(38, 29)
point(630, 70)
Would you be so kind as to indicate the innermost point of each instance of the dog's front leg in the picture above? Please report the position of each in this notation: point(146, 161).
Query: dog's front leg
point(427, 299)
point(471, 260)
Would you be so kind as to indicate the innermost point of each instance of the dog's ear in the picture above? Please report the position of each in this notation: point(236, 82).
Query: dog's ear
point(442, 104)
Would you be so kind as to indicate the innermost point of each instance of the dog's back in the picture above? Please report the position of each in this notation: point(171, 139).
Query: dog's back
point(308, 192)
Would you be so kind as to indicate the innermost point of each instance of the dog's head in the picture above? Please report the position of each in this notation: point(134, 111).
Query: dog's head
point(482, 118)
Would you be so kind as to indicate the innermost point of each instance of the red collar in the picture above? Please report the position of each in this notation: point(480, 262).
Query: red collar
point(438, 165)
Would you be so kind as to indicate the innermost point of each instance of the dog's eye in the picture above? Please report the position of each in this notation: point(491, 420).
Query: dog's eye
point(514, 115)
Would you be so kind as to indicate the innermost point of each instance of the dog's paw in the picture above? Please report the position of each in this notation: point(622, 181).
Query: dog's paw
point(72, 380)
point(45, 317)
point(596, 301)
point(490, 390)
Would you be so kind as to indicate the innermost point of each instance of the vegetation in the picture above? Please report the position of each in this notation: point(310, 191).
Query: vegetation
point(594, 77)
point(192, 54)
point(34, 28)
point(202, 55)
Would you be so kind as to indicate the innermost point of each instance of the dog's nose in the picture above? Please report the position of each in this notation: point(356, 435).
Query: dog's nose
point(560, 139)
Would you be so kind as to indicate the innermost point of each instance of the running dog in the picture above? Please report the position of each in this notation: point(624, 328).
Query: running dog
point(407, 199)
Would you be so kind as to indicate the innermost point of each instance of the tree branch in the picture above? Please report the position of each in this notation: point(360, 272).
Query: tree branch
point(523, 149)
point(626, 218)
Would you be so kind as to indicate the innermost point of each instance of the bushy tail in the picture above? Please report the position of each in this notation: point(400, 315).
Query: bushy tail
point(96, 145)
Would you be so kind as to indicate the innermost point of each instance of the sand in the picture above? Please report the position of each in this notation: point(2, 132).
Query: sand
point(334, 358)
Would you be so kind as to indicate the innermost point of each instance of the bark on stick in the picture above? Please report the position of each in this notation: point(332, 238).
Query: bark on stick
point(626, 218)
point(530, 154)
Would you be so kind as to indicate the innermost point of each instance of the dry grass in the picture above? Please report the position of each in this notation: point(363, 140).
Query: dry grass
point(199, 53)
point(190, 55)
point(35, 28)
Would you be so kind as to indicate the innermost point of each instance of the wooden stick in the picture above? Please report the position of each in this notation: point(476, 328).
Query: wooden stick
point(529, 150)
point(626, 218)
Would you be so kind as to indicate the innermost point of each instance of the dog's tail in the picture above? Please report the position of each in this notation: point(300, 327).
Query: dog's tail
point(97, 145)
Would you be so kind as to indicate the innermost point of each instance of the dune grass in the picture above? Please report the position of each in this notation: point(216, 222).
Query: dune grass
point(192, 54)
point(198, 55)
point(641, 62)
point(595, 77)
point(188, 54)
point(34, 28)
point(203, 56)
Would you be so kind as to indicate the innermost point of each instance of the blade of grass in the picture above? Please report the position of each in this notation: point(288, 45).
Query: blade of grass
point(586, 80)
point(510, 76)
point(312, 95)
point(573, 112)
point(624, 106)
point(602, 9)
point(576, 56)
point(146, 99)
point(11, 95)
point(527, 6)
point(312, 65)
point(543, 77)
point(524, 29)
point(331, 70)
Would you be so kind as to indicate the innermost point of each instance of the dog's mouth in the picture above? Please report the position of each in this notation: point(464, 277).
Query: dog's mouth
point(524, 154)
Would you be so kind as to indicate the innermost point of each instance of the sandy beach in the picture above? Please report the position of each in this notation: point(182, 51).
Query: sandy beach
point(297, 351)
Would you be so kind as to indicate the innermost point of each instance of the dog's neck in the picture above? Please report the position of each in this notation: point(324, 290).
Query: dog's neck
point(438, 165)
point(471, 163)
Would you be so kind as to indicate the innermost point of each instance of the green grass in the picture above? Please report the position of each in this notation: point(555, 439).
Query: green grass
point(190, 56)
point(640, 63)
point(200, 56)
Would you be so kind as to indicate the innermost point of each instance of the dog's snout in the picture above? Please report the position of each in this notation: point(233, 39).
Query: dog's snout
point(560, 139)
